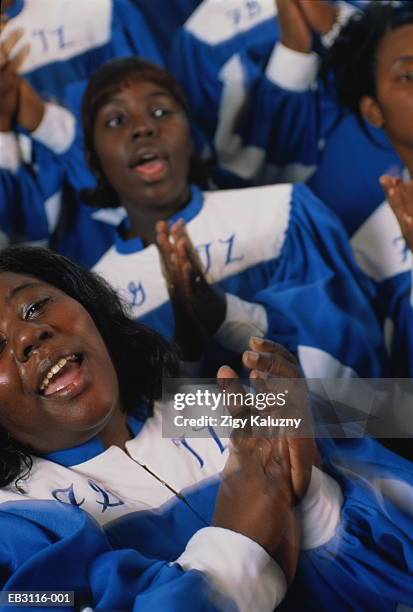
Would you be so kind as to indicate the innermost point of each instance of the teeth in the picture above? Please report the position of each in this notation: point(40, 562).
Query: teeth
point(147, 157)
point(55, 369)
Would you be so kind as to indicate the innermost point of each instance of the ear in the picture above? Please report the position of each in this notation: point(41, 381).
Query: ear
point(371, 111)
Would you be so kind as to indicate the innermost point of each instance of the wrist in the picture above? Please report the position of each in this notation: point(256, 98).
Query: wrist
point(31, 117)
point(6, 123)
point(328, 19)
point(295, 44)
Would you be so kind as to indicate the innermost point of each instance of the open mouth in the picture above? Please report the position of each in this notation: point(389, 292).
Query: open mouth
point(62, 376)
point(150, 166)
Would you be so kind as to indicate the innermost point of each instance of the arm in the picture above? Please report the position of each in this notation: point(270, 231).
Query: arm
point(311, 269)
point(314, 299)
point(369, 558)
point(29, 198)
point(355, 530)
point(40, 551)
point(51, 534)
point(317, 302)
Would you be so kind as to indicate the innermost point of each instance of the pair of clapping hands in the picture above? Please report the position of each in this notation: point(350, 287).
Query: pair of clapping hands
point(199, 307)
point(266, 477)
point(19, 103)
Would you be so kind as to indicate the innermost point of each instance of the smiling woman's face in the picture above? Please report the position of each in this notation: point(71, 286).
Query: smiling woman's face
point(58, 386)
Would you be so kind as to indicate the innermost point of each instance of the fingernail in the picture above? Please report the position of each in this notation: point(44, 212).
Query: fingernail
point(252, 356)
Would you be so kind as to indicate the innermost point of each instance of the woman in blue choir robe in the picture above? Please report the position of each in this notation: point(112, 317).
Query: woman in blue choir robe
point(95, 500)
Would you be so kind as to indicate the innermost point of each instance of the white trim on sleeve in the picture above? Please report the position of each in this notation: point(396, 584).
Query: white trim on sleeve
point(292, 70)
point(242, 320)
point(320, 510)
point(57, 128)
point(10, 156)
point(345, 12)
point(238, 568)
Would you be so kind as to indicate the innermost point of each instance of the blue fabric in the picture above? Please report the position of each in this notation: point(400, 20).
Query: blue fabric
point(129, 35)
point(52, 546)
point(366, 561)
point(365, 566)
point(174, 14)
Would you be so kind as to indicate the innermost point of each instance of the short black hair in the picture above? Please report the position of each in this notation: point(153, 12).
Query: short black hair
point(139, 354)
point(352, 58)
point(107, 80)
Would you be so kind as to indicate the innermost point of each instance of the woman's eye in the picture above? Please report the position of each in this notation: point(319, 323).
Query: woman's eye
point(116, 121)
point(31, 311)
point(407, 76)
point(159, 112)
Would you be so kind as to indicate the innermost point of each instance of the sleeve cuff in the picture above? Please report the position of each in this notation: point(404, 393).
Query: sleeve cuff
point(242, 320)
point(10, 157)
point(57, 128)
point(320, 510)
point(291, 69)
point(345, 12)
point(237, 567)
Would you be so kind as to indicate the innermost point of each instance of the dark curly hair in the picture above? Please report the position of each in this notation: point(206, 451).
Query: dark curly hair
point(352, 58)
point(133, 347)
point(106, 81)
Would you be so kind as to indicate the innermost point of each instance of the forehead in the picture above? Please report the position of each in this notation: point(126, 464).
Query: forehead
point(396, 46)
point(133, 91)
point(9, 281)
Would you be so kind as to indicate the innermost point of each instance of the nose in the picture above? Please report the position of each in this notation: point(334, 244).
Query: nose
point(144, 127)
point(29, 338)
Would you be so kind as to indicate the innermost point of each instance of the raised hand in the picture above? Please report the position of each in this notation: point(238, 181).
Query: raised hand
point(295, 31)
point(189, 334)
point(7, 44)
point(206, 301)
point(320, 14)
point(19, 103)
point(9, 98)
point(257, 494)
point(268, 361)
point(187, 279)
point(400, 197)
point(255, 497)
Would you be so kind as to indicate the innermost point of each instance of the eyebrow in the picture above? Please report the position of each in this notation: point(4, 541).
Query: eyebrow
point(403, 58)
point(153, 94)
point(16, 290)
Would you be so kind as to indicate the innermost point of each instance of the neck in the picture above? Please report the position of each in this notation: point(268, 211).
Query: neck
point(143, 219)
point(116, 432)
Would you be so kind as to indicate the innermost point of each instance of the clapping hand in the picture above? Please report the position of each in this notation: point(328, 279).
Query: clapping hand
point(197, 304)
point(19, 103)
point(265, 477)
point(400, 197)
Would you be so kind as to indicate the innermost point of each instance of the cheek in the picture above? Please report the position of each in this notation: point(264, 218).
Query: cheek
point(15, 421)
point(109, 159)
